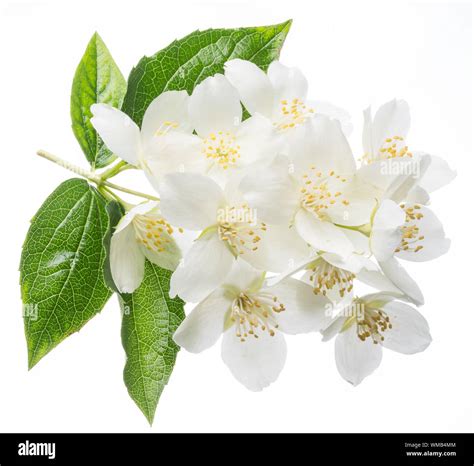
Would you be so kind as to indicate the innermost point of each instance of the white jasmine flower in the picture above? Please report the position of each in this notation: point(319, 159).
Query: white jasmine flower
point(167, 113)
point(387, 155)
point(315, 191)
point(280, 94)
point(252, 318)
point(409, 232)
point(369, 324)
point(223, 143)
point(141, 233)
point(229, 229)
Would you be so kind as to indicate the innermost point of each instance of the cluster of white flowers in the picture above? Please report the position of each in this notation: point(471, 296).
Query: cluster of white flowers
point(275, 196)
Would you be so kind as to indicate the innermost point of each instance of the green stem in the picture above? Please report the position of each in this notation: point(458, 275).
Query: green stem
point(91, 176)
point(116, 169)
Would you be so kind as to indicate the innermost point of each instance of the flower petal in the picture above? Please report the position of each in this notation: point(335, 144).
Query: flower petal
point(127, 262)
point(119, 132)
point(272, 192)
point(322, 235)
point(410, 332)
point(288, 83)
point(205, 324)
point(255, 363)
point(437, 175)
point(391, 119)
point(190, 200)
point(254, 86)
point(256, 139)
point(402, 280)
point(215, 106)
point(202, 270)
point(386, 233)
point(243, 277)
point(356, 359)
point(304, 311)
point(321, 143)
point(167, 112)
point(279, 247)
point(174, 152)
point(434, 242)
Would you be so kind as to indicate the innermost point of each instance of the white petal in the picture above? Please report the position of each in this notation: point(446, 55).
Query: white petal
point(255, 363)
point(410, 332)
point(288, 83)
point(391, 119)
point(437, 175)
point(243, 277)
point(322, 143)
point(167, 112)
point(215, 106)
point(322, 235)
point(167, 259)
point(254, 86)
point(356, 359)
point(377, 280)
point(386, 233)
point(402, 280)
point(190, 200)
point(127, 262)
point(256, 139)
point(120, 134)
point(367, 132)
point(205, 324)
point(279, 248)
point(174, 152)
point(334, 112)
point(304, 311)
point(434, 244)
point(272, 192)
point(202, 270)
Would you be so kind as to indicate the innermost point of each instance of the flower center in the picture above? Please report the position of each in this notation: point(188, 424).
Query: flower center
point(320, 191)
point(371, 323)
point(239, 229)
point(221, 148)
point(292, 113)
point(325, 277)
point(251, 314)
point(153, 232)
point(392, 148)
point(411, 237)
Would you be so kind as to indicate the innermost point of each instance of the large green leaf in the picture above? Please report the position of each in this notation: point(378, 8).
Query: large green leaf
point(97, 80)
point(62, 266)
point(150, 317)
point(186, 62)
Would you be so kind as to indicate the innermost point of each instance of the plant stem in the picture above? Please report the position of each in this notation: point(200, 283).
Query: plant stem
point(91, 176)
point(116, 169)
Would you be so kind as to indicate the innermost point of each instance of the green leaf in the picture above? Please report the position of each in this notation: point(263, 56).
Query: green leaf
point(97, 80)
point(186, 62)
point(61, 268)
point(150, 317)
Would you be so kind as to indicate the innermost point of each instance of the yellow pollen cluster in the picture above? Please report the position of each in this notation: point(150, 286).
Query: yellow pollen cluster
point(371, 324)
point(411, 237)
point(250, 314)
point(153, 232)
point(318, 193)
point(165, 127)
point(293, 112)
point(325, 277)
point(221, 147)
point(241, 235)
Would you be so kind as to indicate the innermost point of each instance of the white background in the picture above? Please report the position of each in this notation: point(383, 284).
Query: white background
point(353, 54)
